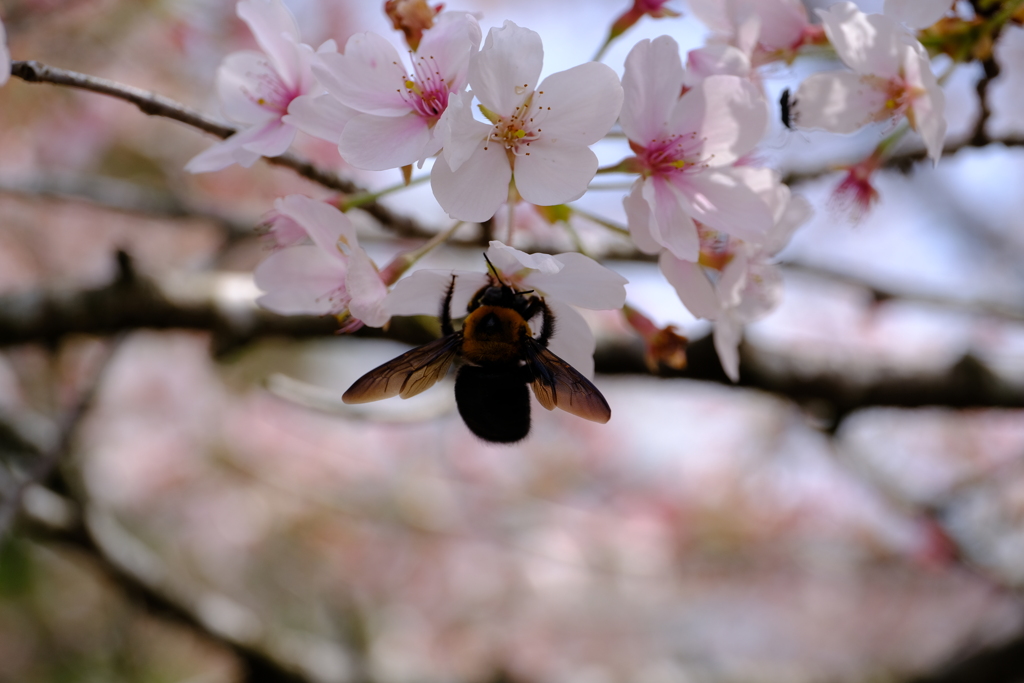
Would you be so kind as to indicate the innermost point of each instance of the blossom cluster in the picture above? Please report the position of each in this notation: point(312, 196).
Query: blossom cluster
point(497, 134)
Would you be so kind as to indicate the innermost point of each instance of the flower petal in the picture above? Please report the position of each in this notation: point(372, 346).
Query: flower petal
point(322, 117)
point(928, 110)
point(277, 34)
point(479, 186)
point(692, 285)
point(511, 260)
point(241, 79)
point(448, 46)
point(722, 202)
point(553, 172)
point(505, 72)
point(5, 56)
point(639, 218)
point(366, 290)
point(271, 140)
point(582, 282)
point(377, 143)
point(460, 132)
point(368, 77)
point(652, 82)
point(672, 227)
point(917, 14)
point(728, 334)
point(300, 280)
point(836, 101)
point(422, 292)
point(225, 153)
point(727, 112)
point(573, 340)
point(867, 43)
point(578, 105)
point(325, 224)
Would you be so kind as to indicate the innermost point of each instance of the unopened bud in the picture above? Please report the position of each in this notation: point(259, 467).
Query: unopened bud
point(412, 18)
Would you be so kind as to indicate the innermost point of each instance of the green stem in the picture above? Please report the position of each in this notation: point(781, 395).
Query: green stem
point(403, 262)
point(364, 198)
point(614, 227)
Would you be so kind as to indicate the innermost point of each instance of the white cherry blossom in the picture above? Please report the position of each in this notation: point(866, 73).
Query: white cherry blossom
point(388, 117)
point(258, 89)
point(891, 78)
point(540, 135)
point(330, 275)
point(683, 145)
point(762, 29)
point(564, 280)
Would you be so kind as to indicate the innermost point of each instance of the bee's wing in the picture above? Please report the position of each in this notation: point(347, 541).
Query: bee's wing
point(409, 374)
point(558, 384)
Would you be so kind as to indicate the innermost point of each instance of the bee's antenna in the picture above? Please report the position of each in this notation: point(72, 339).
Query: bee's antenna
point(494, 270)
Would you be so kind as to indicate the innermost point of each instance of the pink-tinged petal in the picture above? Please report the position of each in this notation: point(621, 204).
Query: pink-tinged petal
point(505, 72)
point(422, 292)
point(242, 79)
point(733, 279)
point(552, 173)
point(5, 56)
point(652, 82)
point(722, 202)
point(692, 285)
point(447, 47)
point(322, 117)
point(917, 14)
point(325, 224)
point(837, 101)
point(714, 14)
point(927, 111)
point(582, 282)
point(272, 139)
point(573, 341)
point(578, 105)
point(369, 77)
point(639, 218)
point(782, 23)
point(716, 59)
point(461, 134)
point(762, 292)
point(377, 143)
point(728, 334)
point(276, 32)
point(300, 280)
point(672, 227)
point(727, 112)
point(511, 260)
point(797, 212)
point(224, 154)
point(366, 290)
point(867, 43)
point(476, 190)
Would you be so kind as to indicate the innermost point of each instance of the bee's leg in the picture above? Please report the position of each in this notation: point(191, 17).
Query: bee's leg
point(446, 310)
point(547, 328)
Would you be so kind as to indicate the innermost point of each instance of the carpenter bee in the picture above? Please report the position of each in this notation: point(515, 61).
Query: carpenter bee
point(500, 358)
point(786, 103)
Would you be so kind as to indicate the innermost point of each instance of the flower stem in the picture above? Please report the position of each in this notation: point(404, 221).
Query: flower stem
point(406, 260)
point(614, 227)
point(364, 198)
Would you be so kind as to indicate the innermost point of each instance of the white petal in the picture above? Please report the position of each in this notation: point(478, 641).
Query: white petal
point(369, 77)
point(300, 280)
point(652, 82)
point(927, 111)
point(692, 285)
point(672, 227)
point(554, 173)
point(5, 56)
point(325, 224)
point(422, 292)
point(270, 140)
point(797, 212)
point(639, 217)
point(511, 260)
point(275, 30)
point(581, 282)
point(377, 143)
point(867, 43)
point(721, 202)
point(578, 105)
point(461, 134)
point(837, 101)
point(322, 117)
point(476, 190)
point(731, 282)
point(242, 80)
point(448, 45)
point(573, 341)
point(505, 72)
point(917, 14)
point(716, 59)
point(782, 23)
point(728, 333)
point(727, 112)
point(225, 153)
point(366, 290)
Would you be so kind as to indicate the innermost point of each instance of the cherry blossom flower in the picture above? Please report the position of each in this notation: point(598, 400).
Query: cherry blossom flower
point(748, 286)
point(5, 56)
point(331, 275)
point(765, 30)
point(538, 135)
point(258, 89)
point(564, 280)
point(891, 78)
point(682, 145)
point(395, 114)
point(917, 14)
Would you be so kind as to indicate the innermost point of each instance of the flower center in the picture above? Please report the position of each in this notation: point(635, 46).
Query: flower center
point(270, 92)
point(426, 91)
point(671, 156)
point(517, 131)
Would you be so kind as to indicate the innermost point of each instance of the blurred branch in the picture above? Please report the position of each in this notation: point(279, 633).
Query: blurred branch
point(991, 71)
point(157, 105)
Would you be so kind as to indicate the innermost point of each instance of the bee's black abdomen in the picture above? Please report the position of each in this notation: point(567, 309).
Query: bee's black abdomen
point(494, 403)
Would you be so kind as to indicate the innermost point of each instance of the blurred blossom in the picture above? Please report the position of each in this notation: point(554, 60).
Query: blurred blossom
point(394, 120)
point(538, 136)
point(764, 30)
point(682, 145)
point(917, 14)
point(259, 89)
point(331, 275)
point(564, 280)
point(891, 78)
point(5, 56)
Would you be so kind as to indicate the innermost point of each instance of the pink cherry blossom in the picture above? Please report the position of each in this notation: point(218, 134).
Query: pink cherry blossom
point(258, 89)
point(564, 280)
point(5, 56)
point(394, 114)
point(538, 135)
point(332, 275)
point(891, 78)
point(682, 145)
point(917, 14)
point(765, 30)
